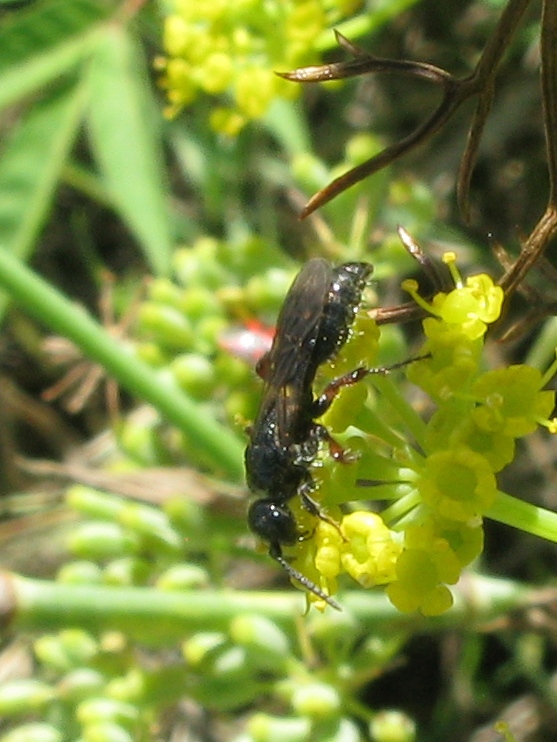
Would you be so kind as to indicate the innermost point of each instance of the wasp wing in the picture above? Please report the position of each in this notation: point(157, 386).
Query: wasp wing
point(285, 367)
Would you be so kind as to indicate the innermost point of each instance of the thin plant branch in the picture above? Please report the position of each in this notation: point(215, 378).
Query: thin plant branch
point(83, 378)
point(161, 617)
point(549, 91)
point(546, 228)
point(437, 273)
point(455, 92)
point(532, 250)
point(539, 308)
point(470, 155)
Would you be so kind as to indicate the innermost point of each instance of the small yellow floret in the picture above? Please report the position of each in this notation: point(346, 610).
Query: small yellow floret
point(371, 549)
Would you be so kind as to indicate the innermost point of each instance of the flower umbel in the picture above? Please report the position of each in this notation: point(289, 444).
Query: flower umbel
point(457, 484)
point(231, 50)
point(437, 491)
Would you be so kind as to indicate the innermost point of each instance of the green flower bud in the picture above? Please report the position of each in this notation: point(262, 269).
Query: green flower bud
point(316, 700)
point(335, 628)
point(183, 577)
point(164, 291)
point(96, 710)
point(200, 266)
point(227, 693)
point(106, 732)
point(195, 374)
point(131, 687)
point(67, 650)
point(231, 663)
point(81, 683)
point(80, 573)
point(240, 406)
point(233, 371)
point(152, 525)
point(100, 540)
point(268, 645)
point(34, 732)
point(24, 696)
point(200, 647)
point(198, 302)
point(151, 353)
point(209, 330)
point(186, 516)
point(265, 293)
point(93, 503)
point(392, 726)
point(126, 572)
point(167, 325)
point(336, 730)
point(265, 728)
point(140, 439)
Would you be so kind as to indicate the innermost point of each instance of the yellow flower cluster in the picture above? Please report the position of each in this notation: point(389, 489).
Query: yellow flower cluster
point(231, 49)
point(439, 490)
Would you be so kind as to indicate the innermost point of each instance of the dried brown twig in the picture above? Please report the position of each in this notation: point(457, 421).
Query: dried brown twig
point(539, 306)
point(438, 275)
point(83, 377)
point(534, 247)
point(455, 91)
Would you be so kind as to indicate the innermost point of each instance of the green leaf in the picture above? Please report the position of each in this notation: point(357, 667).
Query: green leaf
point(39, 44)
point(31, 163)
point(30, 168)
point(126, 142)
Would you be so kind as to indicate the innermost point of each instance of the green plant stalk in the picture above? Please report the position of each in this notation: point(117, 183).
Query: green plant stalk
point(289, 126)
point(160, 618)
point(542, 352)
point(525, 516)
point(365, 23)
point(85, 182)
point(409, 417)
point(43, 302)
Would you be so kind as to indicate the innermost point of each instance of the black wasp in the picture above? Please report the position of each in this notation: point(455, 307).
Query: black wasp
point(313, 324)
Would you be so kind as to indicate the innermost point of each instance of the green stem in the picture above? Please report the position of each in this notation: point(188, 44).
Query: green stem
point(409, 417)
point(285, 120)
point(84, 181)
point(161, 618)
point(400, 508)
point(524, 516)
point(48, 306)
point(364, 24)
point(542, 352)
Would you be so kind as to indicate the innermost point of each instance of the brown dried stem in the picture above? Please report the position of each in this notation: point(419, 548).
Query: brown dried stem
point(546, 228)
point(438, 275)
point(455, 92)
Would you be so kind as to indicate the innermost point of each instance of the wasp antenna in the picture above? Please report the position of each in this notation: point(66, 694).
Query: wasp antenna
point(307, 583)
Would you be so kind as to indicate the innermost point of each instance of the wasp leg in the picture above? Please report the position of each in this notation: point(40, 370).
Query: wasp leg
point(275, 551)
point(327, 396)
point(313, 507)
point(335, 449)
